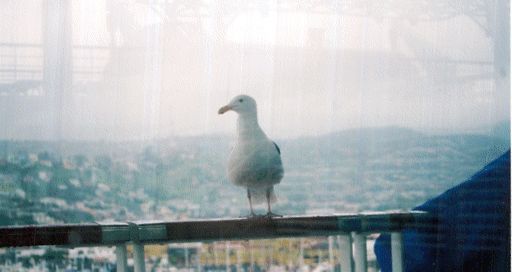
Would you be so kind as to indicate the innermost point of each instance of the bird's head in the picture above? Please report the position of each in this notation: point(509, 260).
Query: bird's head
point(241, 104)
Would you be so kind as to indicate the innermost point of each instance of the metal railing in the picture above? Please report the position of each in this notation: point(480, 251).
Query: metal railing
point(25, 61)
point(351, 230)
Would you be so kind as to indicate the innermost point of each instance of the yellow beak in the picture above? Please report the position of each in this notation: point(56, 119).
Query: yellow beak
point(224, 109)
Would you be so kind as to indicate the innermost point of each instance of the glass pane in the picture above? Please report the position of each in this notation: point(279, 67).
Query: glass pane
point(109, 109)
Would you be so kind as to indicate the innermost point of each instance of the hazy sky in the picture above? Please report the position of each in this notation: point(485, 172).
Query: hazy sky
point(165, 70)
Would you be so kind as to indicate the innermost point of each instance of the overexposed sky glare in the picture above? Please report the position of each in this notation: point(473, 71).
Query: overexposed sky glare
point(310, 72)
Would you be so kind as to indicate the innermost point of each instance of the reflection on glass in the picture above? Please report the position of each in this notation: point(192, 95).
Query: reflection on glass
point(108, 108)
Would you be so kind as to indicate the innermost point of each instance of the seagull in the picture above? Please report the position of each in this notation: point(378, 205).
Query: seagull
point(255, 161)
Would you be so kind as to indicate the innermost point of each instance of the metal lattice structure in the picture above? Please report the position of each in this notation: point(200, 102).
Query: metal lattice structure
point(22, 62)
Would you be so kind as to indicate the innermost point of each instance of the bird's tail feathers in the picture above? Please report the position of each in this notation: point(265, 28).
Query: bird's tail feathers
point(259, 195)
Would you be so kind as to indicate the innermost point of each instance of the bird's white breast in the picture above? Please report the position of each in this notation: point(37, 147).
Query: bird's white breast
point(255, 163)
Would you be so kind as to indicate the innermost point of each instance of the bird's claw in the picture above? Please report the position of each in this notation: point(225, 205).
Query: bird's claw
point(253, 216)
point(271, 214)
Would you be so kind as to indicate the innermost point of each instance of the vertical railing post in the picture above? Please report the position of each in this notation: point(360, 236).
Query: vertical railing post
point(215, 256)
point(139, 264)
point(331, 254)
point(186, 258)
point(228, 259)
point(360, 252)
point(251, 252)
point(121, 258)
point(238, 261)
point(198, 257)
point(345, 245)
point(397, 252)
point(301, 253)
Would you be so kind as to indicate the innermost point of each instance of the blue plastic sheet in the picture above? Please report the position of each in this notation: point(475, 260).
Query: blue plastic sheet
point(472, 231)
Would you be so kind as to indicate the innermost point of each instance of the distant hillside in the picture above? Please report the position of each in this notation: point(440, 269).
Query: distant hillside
point(501, 130)
point(346, 171)
point(382, 168)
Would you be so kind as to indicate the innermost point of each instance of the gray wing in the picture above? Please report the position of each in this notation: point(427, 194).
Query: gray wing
point(277, 147)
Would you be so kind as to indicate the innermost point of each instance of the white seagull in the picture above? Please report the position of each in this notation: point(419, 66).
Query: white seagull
point(255, 161)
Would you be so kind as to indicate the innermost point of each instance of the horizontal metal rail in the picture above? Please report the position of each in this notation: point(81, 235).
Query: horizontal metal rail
point(94, 234)
point(350, 228)
point(91, 234)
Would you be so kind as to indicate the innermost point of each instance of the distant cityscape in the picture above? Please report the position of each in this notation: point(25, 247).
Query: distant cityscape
point(306, 254)
point(180, 178)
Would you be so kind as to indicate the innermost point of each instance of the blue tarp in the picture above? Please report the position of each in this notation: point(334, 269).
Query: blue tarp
point(472, 231)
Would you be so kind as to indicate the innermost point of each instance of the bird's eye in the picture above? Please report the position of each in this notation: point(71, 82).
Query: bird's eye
point(240, 100)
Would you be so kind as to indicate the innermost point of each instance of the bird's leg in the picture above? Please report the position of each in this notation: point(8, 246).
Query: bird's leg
point(269, 210)
point(250, 203)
